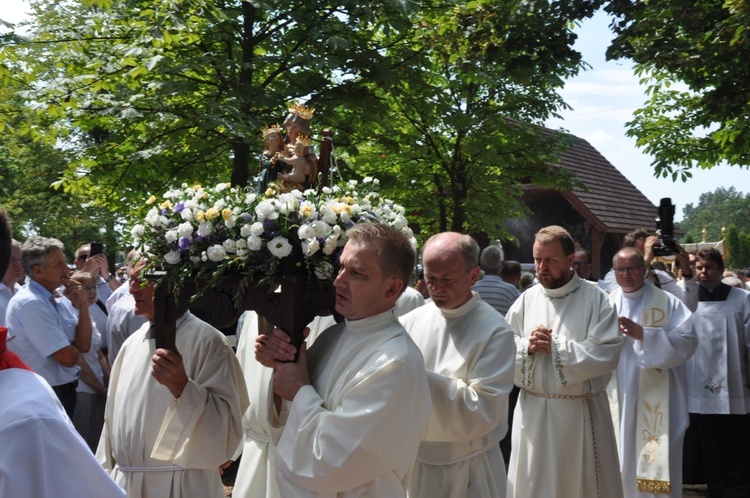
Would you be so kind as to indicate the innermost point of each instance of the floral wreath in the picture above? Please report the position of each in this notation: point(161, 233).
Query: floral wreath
point(207, 233)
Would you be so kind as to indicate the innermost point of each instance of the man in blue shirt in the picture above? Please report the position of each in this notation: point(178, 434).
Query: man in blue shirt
point(45, 334)
point(492, 289)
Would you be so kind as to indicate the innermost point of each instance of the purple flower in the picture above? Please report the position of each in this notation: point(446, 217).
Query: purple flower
point(185, 243)
point(179, 207)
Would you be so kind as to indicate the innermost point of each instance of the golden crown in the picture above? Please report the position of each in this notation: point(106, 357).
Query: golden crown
point(271, 129)
point(302, 111)
point(305, 141)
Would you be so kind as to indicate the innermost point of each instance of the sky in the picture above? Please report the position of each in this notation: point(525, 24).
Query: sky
point(602, 100)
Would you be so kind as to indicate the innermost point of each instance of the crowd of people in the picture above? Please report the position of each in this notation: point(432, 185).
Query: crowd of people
point(484, 381)
point(475, 390)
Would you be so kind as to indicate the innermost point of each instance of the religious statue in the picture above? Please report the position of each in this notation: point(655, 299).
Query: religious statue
point(296, 157)
point(270, 165)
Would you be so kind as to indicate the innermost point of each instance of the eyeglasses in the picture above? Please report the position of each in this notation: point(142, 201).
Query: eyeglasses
point(628, 269)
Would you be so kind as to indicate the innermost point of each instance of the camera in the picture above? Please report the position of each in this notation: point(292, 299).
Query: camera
point(665, 229)
point(96, 248)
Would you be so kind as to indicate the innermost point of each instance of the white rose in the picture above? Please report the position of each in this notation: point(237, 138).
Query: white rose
point(257, 229)
point(187, 214)
point(205, 228)
point(250, 198)
point(195, 260)
point(229, 245)
point(400, 222)
point(172, 257)
point(231, 222)
point(330, 245)
point(329, 215)
point(185, 230)
point(216, 253)
point(280, 247)
point(138, 231)
point(305, 232)
point(254, 243)
point(245, 230)
point(152, 217)
point(266, 210)
point(242, 253)
point(321, 228)
point(310, 247)
point(241, 244)
point(170, 236)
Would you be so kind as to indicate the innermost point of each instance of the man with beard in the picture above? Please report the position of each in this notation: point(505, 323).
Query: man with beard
point(567, 345)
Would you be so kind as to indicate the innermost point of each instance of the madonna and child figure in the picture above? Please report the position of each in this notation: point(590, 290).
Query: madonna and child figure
point(289, 163)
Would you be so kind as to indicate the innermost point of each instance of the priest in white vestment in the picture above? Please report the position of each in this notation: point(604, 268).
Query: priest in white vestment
point(355, 406)
point(256, 474)
point(568, 344)
point(658, 340)
point(172, 419)
point(469, 354)
point(717, 444)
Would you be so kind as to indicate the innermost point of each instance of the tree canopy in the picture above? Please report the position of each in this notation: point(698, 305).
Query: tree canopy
point(692, 56)
point(442, 101)
point(714, 212)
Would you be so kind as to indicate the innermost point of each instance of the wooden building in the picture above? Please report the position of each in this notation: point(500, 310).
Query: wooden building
point(597, 218)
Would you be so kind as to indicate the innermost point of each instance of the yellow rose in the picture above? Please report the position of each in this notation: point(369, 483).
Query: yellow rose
point(151, 200)
point(200, 215)
point(212, 213)
point(226, 214)
point(166, 204)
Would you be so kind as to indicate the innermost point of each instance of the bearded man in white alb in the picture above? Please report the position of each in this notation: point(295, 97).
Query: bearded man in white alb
point(568, 344)
point(172, 419)
point(469, 352)
point(651, 382)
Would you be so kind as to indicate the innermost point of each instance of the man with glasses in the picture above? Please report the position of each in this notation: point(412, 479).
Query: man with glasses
point(567, 345)
point(47, 336)
point(651, 379)
point(642, 241)
point(98, 266)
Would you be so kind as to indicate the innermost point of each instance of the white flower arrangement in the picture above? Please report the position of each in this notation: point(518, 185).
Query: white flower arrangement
point(208, 233)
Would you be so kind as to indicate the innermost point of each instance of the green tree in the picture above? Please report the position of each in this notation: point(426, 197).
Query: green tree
point(714, 211)
point(733, 245)
point(692, 56)
point(149, 94)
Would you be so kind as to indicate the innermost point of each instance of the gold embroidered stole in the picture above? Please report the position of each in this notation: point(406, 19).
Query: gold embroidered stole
point(652, 415)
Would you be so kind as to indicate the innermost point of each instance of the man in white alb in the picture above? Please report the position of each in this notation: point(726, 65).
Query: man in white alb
point(172, 418)
point(717, 443)
point(568, 344)
point(354, 408)
point(651, 382)
point(469, 354)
